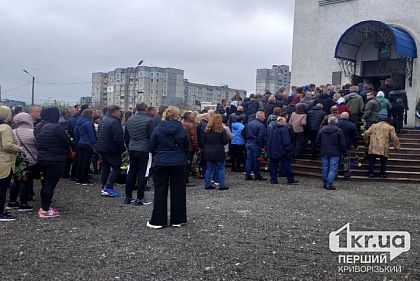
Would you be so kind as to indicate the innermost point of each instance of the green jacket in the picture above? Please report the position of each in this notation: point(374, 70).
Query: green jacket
point(355, 103)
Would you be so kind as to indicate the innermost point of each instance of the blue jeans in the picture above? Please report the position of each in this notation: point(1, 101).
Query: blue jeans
point(329, 169)
point(274, 168)
point(217, 168)
point(253, 152)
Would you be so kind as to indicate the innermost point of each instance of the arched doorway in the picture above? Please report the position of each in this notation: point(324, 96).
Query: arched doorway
point(371, 51)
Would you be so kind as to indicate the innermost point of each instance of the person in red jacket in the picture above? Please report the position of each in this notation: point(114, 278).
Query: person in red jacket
point(342, 107)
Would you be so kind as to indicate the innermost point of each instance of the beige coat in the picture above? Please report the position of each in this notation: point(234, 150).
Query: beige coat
point(380, 137)
point(8, 151)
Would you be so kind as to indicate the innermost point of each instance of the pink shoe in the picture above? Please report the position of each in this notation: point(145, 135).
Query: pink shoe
point(56, 210)
point(51, 213)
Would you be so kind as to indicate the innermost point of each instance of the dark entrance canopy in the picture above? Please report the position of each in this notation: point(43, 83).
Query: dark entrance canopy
point(396, 48)
point(351, 40)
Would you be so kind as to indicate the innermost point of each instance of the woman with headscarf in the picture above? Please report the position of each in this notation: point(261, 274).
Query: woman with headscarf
point(8, 151)
point(53, 145)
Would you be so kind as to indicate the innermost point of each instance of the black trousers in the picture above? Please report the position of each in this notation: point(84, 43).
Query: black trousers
point(172, 177)
point(23, 189)
point(108, 176)
point(372, 162)
point(51, 173)
point(83, 162)
point(300, 145)
point(312, 134)
point(67, 167)
point(190, 157)
point(237, 157)
point(73, 172)
point(136, 173)
point(4, 184)
point(398, 118)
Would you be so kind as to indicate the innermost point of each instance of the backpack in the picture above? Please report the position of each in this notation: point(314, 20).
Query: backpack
point(399, 102)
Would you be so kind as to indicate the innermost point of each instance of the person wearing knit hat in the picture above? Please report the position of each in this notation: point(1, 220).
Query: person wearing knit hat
point(342, 107)
point(385, 105)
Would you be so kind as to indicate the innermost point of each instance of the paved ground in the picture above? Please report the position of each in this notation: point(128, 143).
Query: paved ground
point(251, 232)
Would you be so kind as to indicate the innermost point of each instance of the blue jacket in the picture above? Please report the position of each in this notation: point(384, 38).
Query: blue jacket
point(84, 132)
point(331, 141)
point(237, 130)
point(351, 135)
point(73, 119)
point(110, 136)
point(169, 144)
point(200, 133)
point(256, 133)
point(279, 143)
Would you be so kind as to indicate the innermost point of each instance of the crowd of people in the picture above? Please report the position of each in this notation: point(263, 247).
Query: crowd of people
point(172, 147)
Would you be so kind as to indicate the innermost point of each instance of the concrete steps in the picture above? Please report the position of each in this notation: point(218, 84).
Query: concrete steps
point(403, 165)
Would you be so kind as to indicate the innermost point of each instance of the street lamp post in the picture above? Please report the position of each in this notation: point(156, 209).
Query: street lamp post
point(138, 84)
point(33, 86)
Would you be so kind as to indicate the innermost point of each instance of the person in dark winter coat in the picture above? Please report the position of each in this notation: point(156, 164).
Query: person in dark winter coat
point(388, 87)
point(399, 104)
point(138, 131)
point(53, 144)
point(326, 101)
point(280, 149)
point(251, 108)
point(269, 107)
point(238, 116)
point(314, 120)
point(372, 109)
point(110, 145)
point(255, 143)
point(332, 145)
point(85, 140)
point(215, 139)
point(73, 122)
point(351, 137)
point(355, 104)
point(169, 145)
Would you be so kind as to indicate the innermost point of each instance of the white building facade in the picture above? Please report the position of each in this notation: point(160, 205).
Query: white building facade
point(273, 79)
point(353, 41)
point(125, 87)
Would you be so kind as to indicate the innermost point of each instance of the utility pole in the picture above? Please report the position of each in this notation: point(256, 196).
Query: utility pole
point(33, 85)
point(33, 93)
point(0, 92)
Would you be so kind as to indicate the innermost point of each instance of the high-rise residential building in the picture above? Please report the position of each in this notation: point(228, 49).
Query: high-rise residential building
point(125, 87)
point(195, 94)
point(273, 79)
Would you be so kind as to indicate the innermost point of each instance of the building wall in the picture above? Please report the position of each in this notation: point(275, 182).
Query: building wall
point(127, 86)
point(317, 30)
point(197, 93)
point(272, 79)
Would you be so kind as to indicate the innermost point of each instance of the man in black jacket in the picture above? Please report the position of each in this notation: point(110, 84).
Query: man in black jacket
point(332, 145)
point(138, 131)
point(314, 119)
point(399, 104)
point(351, 137)
point(110, 145)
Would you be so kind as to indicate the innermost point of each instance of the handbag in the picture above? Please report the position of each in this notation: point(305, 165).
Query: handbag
point(21, 167)
point(36, 172)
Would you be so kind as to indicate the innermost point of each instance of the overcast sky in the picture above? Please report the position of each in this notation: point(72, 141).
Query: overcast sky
point(214, 41)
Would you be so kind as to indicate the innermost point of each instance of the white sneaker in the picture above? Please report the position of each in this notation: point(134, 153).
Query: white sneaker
point(149, 225)
point(179, 225)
